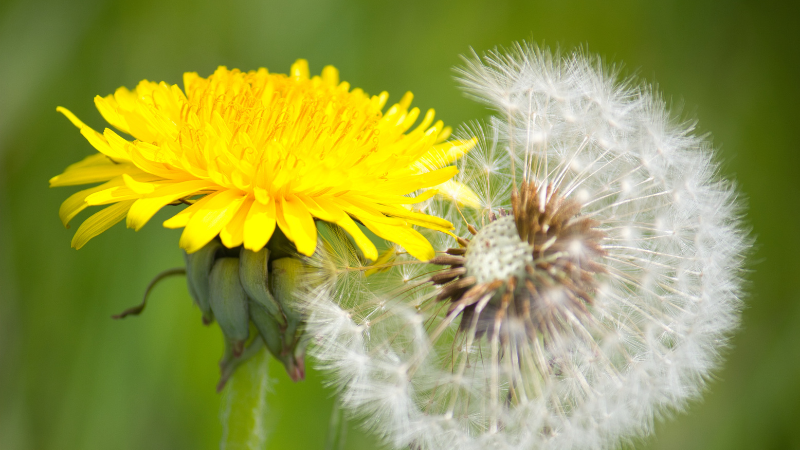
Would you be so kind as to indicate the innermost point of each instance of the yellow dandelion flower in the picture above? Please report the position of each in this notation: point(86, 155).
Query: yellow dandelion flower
point(253, 151)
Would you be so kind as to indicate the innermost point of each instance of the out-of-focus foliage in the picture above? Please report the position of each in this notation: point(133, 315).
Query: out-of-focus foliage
point(71, 378)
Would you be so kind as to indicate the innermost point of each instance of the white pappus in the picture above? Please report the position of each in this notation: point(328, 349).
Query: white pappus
point(590, 294)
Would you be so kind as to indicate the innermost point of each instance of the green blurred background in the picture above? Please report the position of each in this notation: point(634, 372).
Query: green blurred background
point(71, 378)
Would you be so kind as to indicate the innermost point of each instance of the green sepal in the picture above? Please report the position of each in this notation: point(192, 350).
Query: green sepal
point(229, 302)
point(253, 275)
point(284, 278)
point(269, 329)
point(275, 337)
point(198, 267)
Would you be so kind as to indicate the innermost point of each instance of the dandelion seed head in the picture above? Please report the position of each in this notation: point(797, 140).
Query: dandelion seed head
point(497, 252)
point(591, 290)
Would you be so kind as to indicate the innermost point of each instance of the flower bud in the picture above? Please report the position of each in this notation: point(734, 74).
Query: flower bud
point(228, 302)
point(198, 266)
point(253, 275)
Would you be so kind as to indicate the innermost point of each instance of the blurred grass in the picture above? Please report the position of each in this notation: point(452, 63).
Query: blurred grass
point(71, 378)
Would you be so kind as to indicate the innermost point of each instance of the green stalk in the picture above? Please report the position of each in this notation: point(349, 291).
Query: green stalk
point(243, 409)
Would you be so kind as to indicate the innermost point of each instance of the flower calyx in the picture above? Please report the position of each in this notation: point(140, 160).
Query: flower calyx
point(251, 295)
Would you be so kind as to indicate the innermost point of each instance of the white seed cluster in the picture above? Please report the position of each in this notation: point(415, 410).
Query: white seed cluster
point(665, 299)
point(497, 252)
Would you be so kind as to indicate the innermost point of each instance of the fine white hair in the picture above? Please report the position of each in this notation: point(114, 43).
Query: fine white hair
point(664, 305)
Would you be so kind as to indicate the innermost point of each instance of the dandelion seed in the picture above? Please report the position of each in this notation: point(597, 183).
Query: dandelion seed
point(590, 293)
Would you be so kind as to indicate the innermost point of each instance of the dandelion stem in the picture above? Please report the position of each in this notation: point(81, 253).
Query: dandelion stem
point(243, 408)
point(337, 429)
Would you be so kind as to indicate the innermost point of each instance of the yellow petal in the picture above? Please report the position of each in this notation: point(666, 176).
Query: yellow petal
point(301, 225)
point(330, 75)
point(381, 99)
point(410, 216)
point(461, 193)
point(137, 150)
point(76, 202)
point(138, 186)
point(375, 197)
point(259, 225)
point(111, 195)
point(281, 221)
point(72, 117)
point(100, 222)
point(321, 208)
point(359, 209)
point(232, 235)
point(328, 211)
point(97, 140)
point(182, 218)
point(426, 121)
point(444, 134)
point(405, 185)
point(92, 174)
point(147, 206)
point(108, 109)
point(97, 159)
point(445, 154)
point(405, 102)
point(419, 198)
point(299, 70)
point(408, 238)
point(361, 239)
point(207, 222)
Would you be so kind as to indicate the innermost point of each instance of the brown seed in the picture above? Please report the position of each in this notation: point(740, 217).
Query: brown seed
point(447, 260)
